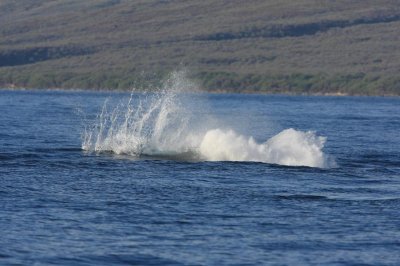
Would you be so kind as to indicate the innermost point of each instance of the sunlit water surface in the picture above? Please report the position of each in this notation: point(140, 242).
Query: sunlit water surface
point(72, 193)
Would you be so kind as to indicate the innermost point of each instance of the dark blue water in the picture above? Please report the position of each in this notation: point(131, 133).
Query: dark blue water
point(60, 205)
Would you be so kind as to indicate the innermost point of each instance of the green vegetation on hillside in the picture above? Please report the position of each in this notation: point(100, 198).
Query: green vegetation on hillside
point(305, 46)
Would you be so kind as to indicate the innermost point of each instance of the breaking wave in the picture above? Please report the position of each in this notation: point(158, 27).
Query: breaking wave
point(161, 124)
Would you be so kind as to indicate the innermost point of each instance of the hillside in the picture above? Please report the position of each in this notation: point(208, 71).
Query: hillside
point(304, 46)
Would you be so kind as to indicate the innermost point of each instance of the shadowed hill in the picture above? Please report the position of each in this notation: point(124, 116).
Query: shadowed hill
point(300, 46)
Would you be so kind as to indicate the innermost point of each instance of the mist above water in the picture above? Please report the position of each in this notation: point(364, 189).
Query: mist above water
point(161, 124)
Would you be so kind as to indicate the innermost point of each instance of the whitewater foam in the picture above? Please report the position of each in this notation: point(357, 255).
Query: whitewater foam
point(161, 124)
point(289, 147)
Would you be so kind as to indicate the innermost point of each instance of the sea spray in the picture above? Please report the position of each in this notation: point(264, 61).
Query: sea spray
point(161, 124)
point(146, 124)
point(289, 147)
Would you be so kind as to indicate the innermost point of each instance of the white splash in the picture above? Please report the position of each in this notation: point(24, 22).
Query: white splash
point(289, 147)
point(159, 124)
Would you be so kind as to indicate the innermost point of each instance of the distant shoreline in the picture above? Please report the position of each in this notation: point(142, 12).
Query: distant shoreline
point(220, 91)
point(221, 82)
point(290, 48)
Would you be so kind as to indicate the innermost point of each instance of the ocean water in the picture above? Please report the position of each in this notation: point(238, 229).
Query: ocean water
point(172, 178)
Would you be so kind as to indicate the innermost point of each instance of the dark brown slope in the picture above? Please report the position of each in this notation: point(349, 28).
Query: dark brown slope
point(269, 46)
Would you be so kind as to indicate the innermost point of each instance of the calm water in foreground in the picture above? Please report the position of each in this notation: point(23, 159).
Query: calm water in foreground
point(62, 205)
